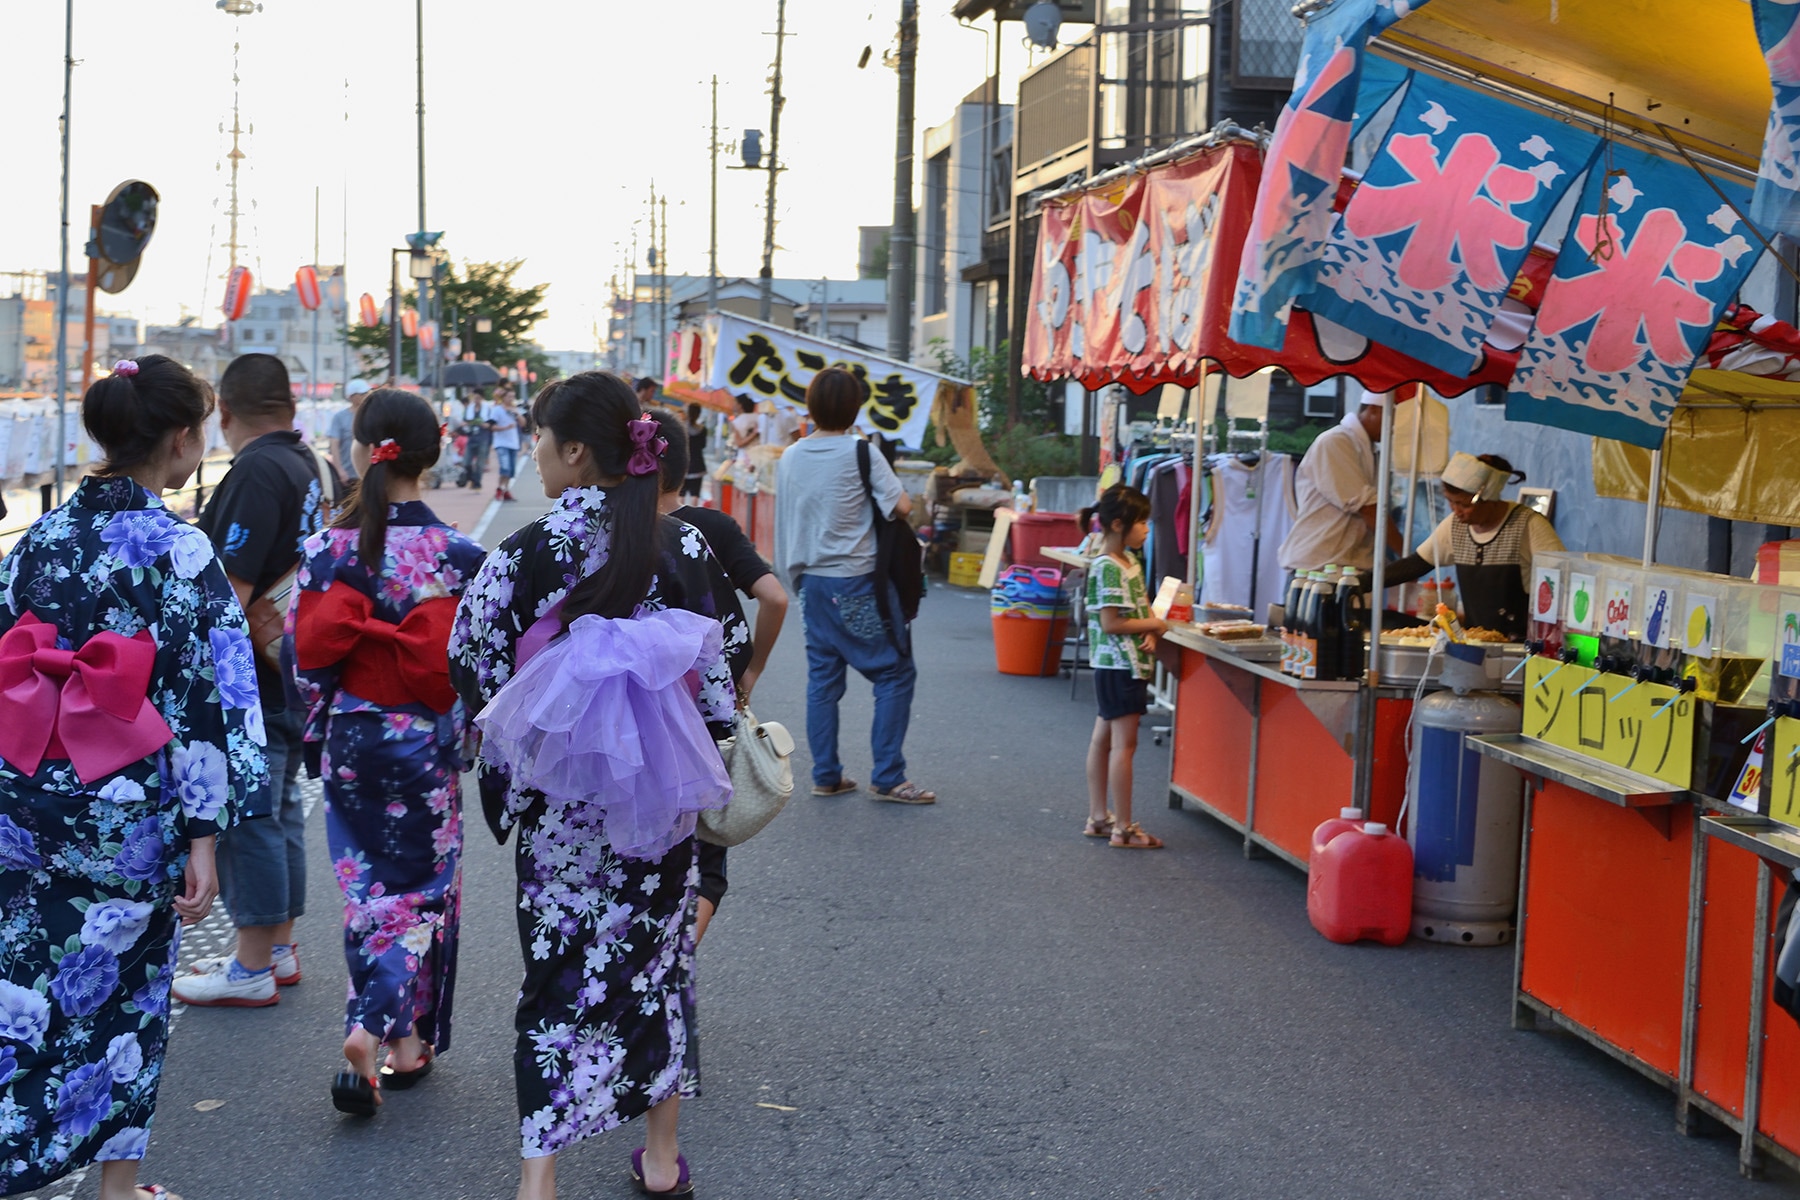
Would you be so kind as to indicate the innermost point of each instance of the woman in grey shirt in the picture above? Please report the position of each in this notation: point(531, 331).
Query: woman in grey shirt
point(825, 553)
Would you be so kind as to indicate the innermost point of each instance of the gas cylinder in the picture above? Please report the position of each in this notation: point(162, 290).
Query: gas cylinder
point(1463, 824)
point(1359, 886)
point(1346, 820)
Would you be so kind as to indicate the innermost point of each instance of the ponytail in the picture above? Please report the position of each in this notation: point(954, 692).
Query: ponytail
point(130, 411)
point(402, 432)
point(593, 409)
point(1118, 503)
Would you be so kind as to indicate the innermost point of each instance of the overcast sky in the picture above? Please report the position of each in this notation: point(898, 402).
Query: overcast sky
point(545, 122)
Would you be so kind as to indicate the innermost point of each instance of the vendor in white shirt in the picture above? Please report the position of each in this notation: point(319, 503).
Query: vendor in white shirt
point(1334, 493)
point(1488, 540)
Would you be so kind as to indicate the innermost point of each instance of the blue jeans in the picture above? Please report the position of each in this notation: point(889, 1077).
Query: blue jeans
point(844, 629)
point(262, 861)
point(508, 458)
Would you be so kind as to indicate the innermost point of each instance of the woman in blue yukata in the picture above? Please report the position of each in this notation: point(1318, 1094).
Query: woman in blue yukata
point(377, 597)
point(130, 734)
point(590, 643)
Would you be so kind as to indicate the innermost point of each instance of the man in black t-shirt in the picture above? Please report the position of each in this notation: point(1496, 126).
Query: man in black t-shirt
point(272, 499)
point(741, 568)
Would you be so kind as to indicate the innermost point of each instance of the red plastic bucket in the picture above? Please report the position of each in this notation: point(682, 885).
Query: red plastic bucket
point(1028, 645)
point(1031, 532)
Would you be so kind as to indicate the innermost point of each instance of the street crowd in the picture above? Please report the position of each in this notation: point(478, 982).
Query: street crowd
point(164, 685)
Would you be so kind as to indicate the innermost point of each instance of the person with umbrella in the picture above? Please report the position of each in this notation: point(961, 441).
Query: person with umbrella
point(476, 422)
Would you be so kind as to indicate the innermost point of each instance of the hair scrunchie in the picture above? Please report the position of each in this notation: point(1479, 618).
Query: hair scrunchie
point(387, 451)
point(647, 445)
point(126, 367)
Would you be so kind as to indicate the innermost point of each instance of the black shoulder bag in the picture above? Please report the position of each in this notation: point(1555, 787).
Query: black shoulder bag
point(898, 558)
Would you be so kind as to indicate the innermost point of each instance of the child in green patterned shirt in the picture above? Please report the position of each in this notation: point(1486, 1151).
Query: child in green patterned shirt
point(1121, 638)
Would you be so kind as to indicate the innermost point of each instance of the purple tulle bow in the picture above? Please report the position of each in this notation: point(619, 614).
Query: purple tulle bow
point(648, 446)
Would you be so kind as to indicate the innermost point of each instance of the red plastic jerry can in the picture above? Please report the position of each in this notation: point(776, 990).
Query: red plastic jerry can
point(1360, 887)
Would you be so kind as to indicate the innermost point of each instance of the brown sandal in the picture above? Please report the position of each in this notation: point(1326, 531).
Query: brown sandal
point(1133, 837)
point(1099, 829)
point(905, 793)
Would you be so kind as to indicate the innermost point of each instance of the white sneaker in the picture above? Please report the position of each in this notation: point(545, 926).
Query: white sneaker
point(214, 987)
point(286, 965)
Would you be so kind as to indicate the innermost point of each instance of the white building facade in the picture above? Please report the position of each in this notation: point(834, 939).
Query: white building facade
point(958, 303)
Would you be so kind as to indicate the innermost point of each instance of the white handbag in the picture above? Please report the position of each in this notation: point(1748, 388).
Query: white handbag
point(759, 757)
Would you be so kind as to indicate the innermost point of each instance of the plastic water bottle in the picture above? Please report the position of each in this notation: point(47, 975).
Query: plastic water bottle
point(1021, 500)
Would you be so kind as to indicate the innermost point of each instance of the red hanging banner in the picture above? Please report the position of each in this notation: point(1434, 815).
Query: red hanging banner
point(1132, 284)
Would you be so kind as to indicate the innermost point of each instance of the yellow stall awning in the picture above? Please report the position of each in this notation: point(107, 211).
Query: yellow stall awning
point(1692, 66)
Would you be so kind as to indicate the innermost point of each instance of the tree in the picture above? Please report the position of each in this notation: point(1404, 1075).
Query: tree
point(476, 290)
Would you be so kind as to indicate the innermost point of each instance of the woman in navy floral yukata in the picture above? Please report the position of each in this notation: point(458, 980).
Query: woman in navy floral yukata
point(130, 733)
point(563, 610)
point(385, 729)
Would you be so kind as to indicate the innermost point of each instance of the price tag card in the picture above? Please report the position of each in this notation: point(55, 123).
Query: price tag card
point(1698, 625)
point(1788, 641)
point(1747, 792)
point(1584, 603)
point(1616, 617)
point(1590, 714)
point(1546, 595)
point(1783, 772)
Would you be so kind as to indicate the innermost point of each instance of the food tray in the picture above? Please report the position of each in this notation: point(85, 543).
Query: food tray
point(1405, 666)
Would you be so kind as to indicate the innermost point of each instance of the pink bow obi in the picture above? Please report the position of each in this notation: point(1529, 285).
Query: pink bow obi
point(90, 706)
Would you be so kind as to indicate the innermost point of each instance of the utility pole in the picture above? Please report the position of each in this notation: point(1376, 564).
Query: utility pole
point(765, 302)
point(312, 379)
point(662, 310)
point(424, 300)
point(900, 236)
point(62, 294)
point(712, 244)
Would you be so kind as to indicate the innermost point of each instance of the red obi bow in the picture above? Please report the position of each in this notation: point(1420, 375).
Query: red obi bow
point(90, 706)
point(385, 663)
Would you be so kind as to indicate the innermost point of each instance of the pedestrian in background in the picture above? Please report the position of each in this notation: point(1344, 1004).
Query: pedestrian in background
point(343, 424)
point(107, 832)
point(271, 500)
point(476, 424)
point(371, 629)
point(746, 430)
point(736, 566)
point(606, 873)
point(646, 390)
point(506, 441)
point(695, 432)
point(825, 551)
point(1122, 634)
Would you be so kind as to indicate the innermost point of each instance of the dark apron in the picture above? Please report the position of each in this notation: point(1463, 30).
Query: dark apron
point(1489, 578)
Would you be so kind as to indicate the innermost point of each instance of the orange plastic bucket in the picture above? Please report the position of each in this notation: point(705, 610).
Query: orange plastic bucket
point(1028, 645)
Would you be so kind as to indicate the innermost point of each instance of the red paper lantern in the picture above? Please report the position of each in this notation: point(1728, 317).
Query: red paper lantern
point(428, 335)
point(306, 286)
point(409, 322)
point(237, 293)
point(371, 316)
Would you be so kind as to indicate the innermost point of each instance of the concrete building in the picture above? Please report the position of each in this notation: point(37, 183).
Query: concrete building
point(960, 285)
point(275, 323)
point(656, 306)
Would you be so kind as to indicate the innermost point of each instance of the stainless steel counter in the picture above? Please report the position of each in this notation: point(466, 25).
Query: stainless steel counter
point(1254, 657)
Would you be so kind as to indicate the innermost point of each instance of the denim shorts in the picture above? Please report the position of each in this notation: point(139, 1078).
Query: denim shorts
point(1120, 693)
point(262, 860)
point(508, 458)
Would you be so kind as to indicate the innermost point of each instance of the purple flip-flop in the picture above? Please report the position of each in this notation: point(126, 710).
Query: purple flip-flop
point(684, 1186)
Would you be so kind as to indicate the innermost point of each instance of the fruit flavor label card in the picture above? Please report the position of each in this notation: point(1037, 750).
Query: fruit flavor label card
point(1659, 603)
point(1698, 627)
point(1584, 603)
point(1546, 595)
point(1789, 662)
point(1617, 614)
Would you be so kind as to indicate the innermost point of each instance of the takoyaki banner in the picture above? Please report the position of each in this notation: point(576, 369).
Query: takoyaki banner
point(738, 356)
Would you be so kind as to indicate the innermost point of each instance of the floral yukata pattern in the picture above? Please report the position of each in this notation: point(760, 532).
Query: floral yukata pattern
point(393, 810)
point(89, 872)
point(605, 1015)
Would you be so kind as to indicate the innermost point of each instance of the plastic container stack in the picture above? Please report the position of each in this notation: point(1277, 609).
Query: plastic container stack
point(1030, 621)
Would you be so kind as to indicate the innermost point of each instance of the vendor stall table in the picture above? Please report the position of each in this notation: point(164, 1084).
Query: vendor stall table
point(1271, 755)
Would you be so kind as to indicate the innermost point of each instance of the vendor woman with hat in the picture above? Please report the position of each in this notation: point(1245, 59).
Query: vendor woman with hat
point(1488, 540)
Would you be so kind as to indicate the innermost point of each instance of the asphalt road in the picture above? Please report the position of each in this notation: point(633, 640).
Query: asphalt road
point(970, 999)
